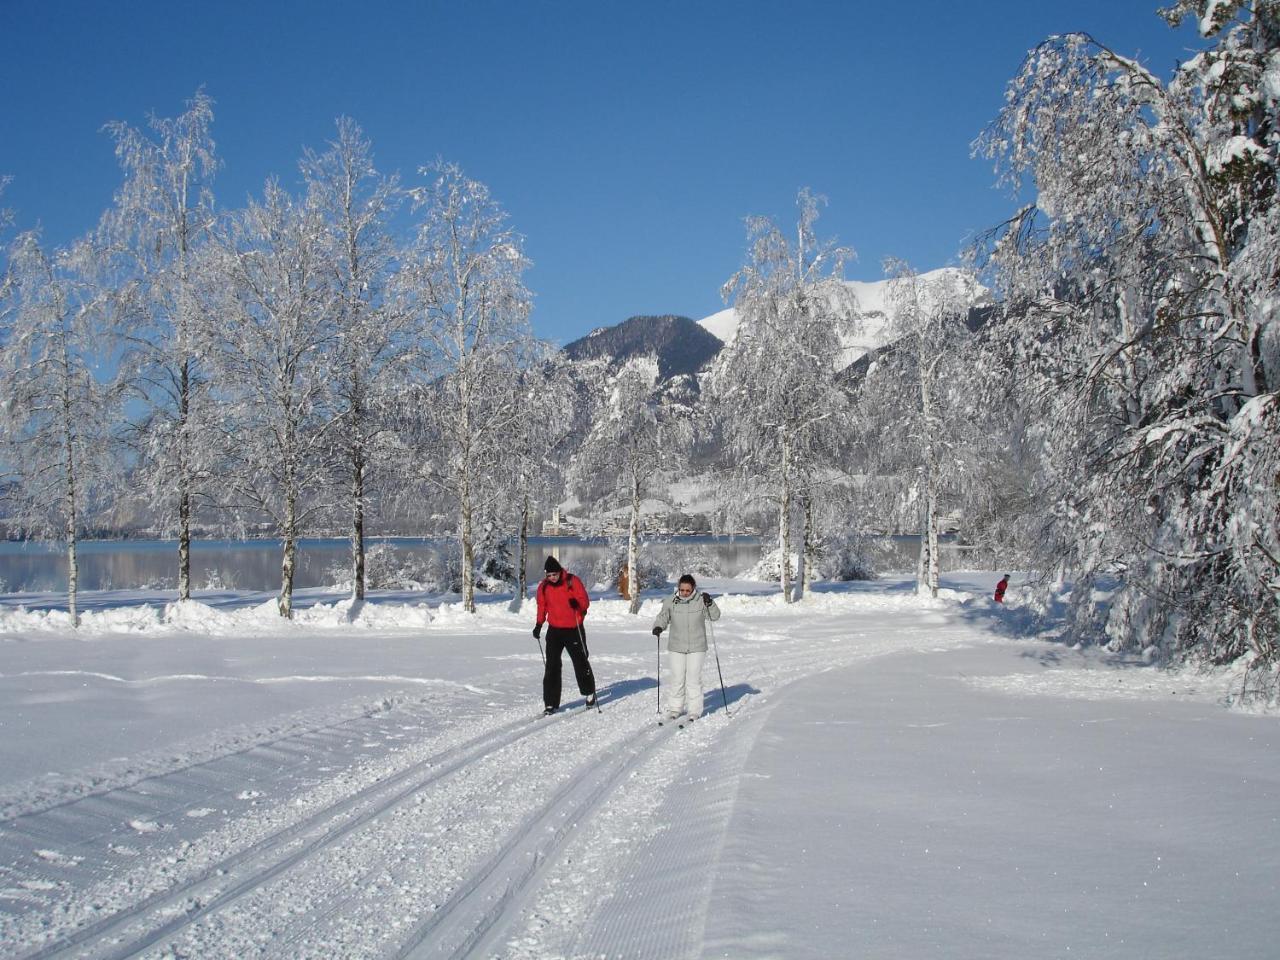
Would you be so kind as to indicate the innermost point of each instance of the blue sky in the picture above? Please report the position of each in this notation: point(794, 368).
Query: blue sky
point(627, 140)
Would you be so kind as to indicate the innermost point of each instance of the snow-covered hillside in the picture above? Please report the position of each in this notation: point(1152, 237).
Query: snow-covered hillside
point(873, 305)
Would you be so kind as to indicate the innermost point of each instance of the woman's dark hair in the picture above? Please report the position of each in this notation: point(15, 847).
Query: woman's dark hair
point(688, 578)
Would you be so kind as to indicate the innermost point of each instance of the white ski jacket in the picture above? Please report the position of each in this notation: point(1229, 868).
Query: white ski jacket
point(687, 621)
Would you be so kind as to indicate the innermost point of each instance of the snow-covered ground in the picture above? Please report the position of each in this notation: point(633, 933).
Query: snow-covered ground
point(893, 777)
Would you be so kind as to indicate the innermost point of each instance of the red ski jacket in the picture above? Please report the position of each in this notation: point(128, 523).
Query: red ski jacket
point(553, 601)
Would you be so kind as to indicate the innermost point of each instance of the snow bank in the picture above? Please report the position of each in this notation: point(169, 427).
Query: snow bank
point(248, 614)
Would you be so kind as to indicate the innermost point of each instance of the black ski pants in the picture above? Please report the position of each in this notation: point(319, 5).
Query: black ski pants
point(573, 640)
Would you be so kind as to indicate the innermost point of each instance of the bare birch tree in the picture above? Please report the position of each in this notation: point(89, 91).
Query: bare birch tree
point(928, 327)
point(774, 388)
point(162, 218)
point(532, 459)
point(356, 203)
point(273, 352)
point(58, 399)
point(642, 431)
point(465, 270)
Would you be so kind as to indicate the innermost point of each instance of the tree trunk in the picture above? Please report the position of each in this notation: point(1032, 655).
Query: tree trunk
point(464, 492)
point(357, 527)
point(68, 440)
point(184, 545)
point(468, 551)
point(184, 482)
point(927, 574)
point(289, 559)
point(922, 562)
point(523, 575)
point(73, 566)
point(784, 522)
point(633, 543)
point(357, 480)
point(931, 530)
point(807, 554)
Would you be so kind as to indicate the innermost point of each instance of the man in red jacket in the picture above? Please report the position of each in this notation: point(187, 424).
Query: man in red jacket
point(562, 603)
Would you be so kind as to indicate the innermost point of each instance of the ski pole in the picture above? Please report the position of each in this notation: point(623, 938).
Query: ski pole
point(659, 639)
point(724, 696)
point(582, 636)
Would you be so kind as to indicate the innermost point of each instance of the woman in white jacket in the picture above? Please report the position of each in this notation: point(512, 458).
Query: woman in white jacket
point(686, 614)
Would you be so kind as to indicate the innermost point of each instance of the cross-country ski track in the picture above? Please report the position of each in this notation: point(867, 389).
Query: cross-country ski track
point(456, 822)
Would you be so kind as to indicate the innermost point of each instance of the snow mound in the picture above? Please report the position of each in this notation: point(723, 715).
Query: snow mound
point(112, 620)
point(193, 615)
point(376, 616)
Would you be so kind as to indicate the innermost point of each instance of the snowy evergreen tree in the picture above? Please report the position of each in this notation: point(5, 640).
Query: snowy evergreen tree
point(642, 431)
point(1141, 300)
point(464, 274)
point(356, 203)
point(155, 232)
point(774, 389)
point(273, 353)
point(58, 399)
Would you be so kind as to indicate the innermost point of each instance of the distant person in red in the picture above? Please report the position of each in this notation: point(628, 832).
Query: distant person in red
point(1001, 587)
point(562, 603)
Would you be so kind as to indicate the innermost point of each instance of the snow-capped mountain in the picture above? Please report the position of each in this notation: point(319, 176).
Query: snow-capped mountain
point(683, 346)
point(873, 304)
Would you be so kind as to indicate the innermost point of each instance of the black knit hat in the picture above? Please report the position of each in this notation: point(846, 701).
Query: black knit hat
point(552, 565)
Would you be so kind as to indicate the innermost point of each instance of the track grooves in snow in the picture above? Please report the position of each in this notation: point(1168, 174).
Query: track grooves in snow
point(477, 915)
point(268, 857)
point(15, 807)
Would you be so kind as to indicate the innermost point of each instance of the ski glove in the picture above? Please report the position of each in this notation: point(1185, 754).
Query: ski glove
point(706, 599)
point(573, 602)
point(537, 631)
point(657, 631)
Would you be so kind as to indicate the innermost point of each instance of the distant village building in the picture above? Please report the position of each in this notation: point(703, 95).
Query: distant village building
point(555, 527)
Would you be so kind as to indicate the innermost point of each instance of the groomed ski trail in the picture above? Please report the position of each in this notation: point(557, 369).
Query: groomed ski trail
point(513, 842)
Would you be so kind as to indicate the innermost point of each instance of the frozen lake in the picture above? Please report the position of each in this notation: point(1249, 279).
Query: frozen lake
point(30, 567)
point(255, 564)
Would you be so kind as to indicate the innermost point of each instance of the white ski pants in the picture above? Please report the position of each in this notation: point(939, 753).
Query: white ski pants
point(684, 671)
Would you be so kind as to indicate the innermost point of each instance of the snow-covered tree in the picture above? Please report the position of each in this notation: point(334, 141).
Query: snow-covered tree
point(642, 431)
point(356, 203)
point(273, 355)
point(541, 400)
point(774, 389)
point(6, 278)
point(1141, 301)
point(464, 272)
point(58, 399)
point(6, 215)
point(920, 379)
point(155, 233)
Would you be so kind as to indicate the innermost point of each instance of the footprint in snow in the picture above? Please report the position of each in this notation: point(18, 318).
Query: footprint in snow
point(28, 891)
point(58, 857)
